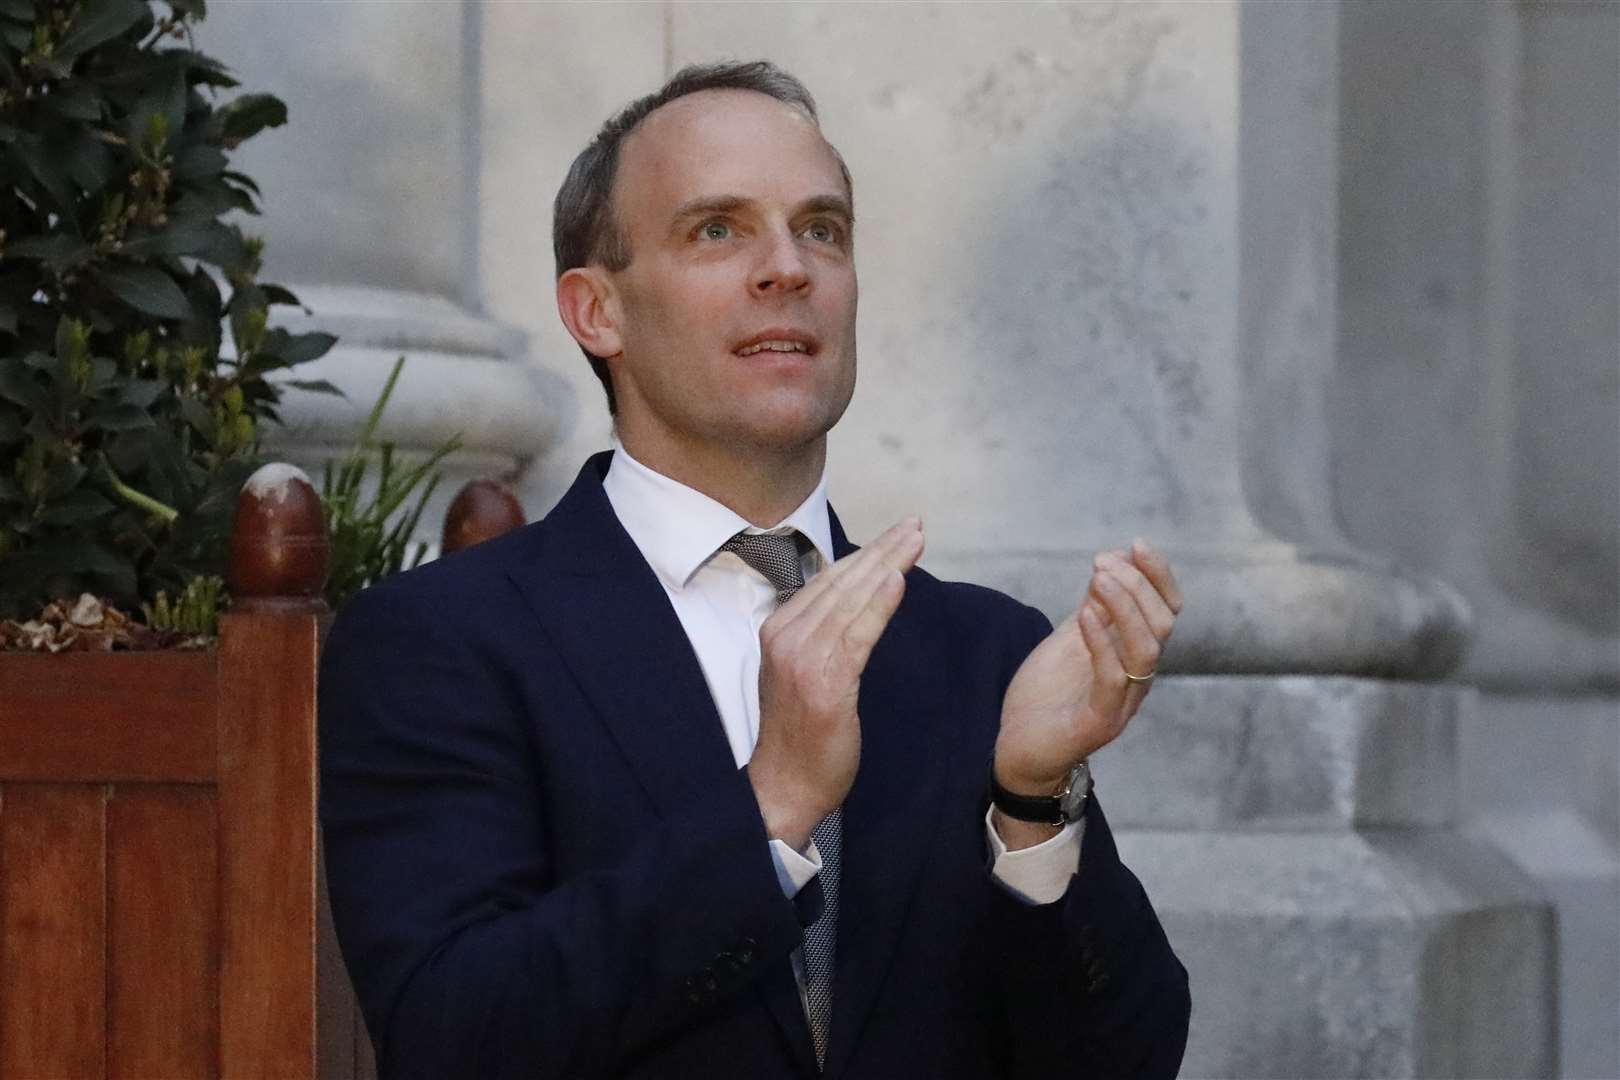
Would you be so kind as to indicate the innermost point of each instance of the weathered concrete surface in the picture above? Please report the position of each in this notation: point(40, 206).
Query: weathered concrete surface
point(1299, 753)
point(1388, 953)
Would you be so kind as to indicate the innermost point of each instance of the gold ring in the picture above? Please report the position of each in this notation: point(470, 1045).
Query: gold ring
point(1141, 678)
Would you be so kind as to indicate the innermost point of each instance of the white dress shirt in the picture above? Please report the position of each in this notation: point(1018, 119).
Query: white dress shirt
point(721, 602)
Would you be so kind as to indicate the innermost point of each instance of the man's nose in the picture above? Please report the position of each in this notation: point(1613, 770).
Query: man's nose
point(781, 266)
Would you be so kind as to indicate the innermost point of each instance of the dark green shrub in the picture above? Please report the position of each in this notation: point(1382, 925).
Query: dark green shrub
point(125, 434)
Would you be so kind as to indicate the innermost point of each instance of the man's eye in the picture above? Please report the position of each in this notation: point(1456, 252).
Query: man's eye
point(715, 230)
point(823, 231)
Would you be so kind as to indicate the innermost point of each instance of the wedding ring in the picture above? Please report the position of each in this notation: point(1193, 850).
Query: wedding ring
point(1144, 679)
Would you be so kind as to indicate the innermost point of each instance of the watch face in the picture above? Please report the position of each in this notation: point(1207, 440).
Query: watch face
point(1074, 799)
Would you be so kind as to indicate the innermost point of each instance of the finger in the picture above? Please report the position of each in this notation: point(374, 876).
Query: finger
point(1107, 673)
point(1140, 646)
point(863, 632)
point(831, 578)
point(835, 609)
point(1161, 620)
point(1156, 566)
point(831, 609)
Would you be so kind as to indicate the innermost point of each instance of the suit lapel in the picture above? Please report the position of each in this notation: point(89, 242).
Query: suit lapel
point(890, 814)
point(608, 616)
point(610, 619)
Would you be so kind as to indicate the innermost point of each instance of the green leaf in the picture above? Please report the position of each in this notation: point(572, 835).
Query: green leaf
point(197, 415)
point(294, 349)
point(122, 418)
point(242, 180)
point(146, 289)
point(275, 294)
point(43, 167)
point(20, 38)
point(89, 161)
point(198, 160)
point(313, 386)
point(202, 69)
point(73, 557)
point(18, 384)
point(9, 491)
point(140, 392)
point(209, 199)
point(62, 478)
point(59, 251)
point(212, 241)
point(11, 428)
point(8, 316)
point(99, 21)
point(74, 100)
point(246, 116)
point(21, 10)
point(76, 508)
point(103, 374)
point(166, 99)
point(128, 451)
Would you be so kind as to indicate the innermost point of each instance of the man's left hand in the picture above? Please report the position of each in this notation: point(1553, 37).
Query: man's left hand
point(1070, 697)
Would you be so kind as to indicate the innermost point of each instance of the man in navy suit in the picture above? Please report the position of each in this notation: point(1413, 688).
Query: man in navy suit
point(679, 783)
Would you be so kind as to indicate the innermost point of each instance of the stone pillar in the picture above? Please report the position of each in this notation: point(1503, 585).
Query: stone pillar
point(371, 215)
point(1475, 413)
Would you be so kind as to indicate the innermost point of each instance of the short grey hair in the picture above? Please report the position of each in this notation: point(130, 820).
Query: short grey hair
point(583, 230)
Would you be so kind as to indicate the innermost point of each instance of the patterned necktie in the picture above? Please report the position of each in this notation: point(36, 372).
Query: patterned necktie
point(777, 557)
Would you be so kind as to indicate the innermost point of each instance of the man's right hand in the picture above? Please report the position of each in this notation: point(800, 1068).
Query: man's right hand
point(812, 653)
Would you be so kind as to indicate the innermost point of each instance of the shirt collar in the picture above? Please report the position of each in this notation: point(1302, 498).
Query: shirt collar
point(679, 528)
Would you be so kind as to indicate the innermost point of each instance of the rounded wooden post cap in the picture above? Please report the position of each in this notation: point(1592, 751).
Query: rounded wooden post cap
point(279, 547)
point(481, 510)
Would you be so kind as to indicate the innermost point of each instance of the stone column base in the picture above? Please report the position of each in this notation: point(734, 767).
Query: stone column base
point(1297, 836)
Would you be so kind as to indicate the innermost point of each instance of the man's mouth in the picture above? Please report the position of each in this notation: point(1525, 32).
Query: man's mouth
point(774, 346)
point(777, 341)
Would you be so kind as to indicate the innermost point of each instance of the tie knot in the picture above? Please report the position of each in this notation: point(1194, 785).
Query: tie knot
point(774, 555)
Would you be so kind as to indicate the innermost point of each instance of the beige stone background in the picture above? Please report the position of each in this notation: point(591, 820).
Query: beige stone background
point(1322, 296)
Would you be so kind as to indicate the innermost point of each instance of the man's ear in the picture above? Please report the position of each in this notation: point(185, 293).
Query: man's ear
point(585, 300)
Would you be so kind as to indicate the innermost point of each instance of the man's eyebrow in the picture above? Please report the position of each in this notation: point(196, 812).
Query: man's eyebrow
point(828, 204)
point(712, 204)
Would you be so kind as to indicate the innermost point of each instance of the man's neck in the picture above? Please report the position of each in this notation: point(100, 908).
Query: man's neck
point(762, 486)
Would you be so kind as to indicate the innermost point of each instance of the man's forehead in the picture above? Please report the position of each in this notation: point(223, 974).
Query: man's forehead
point(698, 130)
point(718, 109)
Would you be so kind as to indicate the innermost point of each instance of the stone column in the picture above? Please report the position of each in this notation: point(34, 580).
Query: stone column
point(1475, 419)
point(371, 215)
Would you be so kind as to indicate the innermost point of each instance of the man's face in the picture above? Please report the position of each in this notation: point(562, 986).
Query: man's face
point(737, 311)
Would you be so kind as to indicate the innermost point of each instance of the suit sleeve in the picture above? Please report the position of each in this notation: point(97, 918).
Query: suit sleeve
point(468, 954)
point(1090, 982)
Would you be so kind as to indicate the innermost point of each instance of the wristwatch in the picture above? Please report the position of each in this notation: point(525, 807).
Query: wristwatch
point(1059, 809)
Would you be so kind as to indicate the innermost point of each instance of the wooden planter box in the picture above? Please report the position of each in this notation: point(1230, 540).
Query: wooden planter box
point(160, 899)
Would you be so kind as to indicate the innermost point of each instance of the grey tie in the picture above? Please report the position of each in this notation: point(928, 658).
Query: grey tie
point(777, 557)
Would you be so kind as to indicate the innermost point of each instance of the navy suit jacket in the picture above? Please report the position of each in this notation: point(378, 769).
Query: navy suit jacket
point(543, 861)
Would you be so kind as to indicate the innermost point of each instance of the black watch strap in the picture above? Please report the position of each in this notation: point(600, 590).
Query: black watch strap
point(1046, 809)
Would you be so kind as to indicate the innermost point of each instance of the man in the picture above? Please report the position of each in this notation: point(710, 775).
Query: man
point(678, 783)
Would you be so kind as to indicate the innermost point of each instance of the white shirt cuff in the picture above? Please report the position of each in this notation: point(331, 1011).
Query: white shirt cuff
point(794, 871)
point(1039, 874)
